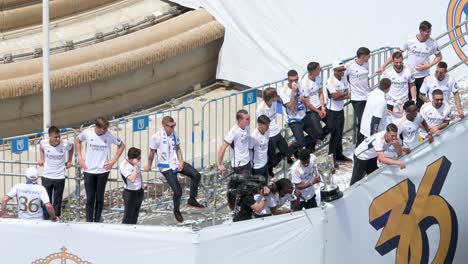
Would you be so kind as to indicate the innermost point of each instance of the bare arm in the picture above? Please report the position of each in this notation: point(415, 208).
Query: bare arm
point(51, 211)
point(423, 97)
point(150, 160)
point(40, 162)
point(443, 125)
point(305, 185)
point(3, 211)
point(413, 91)
point(386, 160)
point(221, 152)
point(81, 161)
point(134, 174)
point(68, 164)
point(456, 97)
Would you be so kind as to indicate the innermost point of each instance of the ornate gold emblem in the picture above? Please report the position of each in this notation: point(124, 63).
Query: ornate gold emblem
point(61, 257)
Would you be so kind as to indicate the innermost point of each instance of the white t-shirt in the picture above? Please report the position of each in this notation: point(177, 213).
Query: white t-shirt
point(126, 169)
point(270, 112)
point(420, 53)
point(310, 89)
point(448, 86)
point(29, 197)
point(54, 158)
point(400, 84)
point(376, 106)
point(358, 77)
point(434, 116)
point(280, 201)
point(98, 149)
point(166, 150)
point(370, 146)
point(409, 131)
point(270, 202)
point(301, 174)
point(334, 85)
point(293, 115)
point(240, 154)
point(259, 145)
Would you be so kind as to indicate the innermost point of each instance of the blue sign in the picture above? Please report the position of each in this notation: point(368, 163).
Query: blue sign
point(140, 123)
point(19, 144)
point(249, 97)
point(279, 107)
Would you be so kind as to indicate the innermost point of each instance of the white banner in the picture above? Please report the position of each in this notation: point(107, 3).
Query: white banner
point(266, 38)
point(416, 215)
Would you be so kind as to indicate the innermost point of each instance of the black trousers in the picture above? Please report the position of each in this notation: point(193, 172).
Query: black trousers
point(418, 82)
point(132, 204)
point(95, 186)
point(54, 188)
point(277, 142)
point(244, 169)
point(263, 171)
point(298, 129)
point(361, 168)
point(311, 203)
point(314, 119)
point(358, 107)
point(335, 121)
point(173, 182)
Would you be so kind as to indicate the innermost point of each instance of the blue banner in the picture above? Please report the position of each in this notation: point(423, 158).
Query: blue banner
point(140, 123)
point(19, 144)
point(249, 97)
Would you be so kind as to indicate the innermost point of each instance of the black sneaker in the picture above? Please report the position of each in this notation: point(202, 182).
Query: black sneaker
point(193, 203)
point(178, 216)
point(343, 159)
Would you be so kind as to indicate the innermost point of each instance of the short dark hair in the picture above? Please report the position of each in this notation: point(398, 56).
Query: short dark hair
point(362, 51)
point(425, 25)
point(263, 119)
point(303, 154)
point(283, 183)
point(292, 73)
point(437, 92)
point(269, 93)
point(407, 104)
point(385, 83)
point(392, 128)
point(397, 55)
point(312, 66)
point(101, 122)
point(240, 113)
point(134, 153)
point(53, 130)
point(442, 65)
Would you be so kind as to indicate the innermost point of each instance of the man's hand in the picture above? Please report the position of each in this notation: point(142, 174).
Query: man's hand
point(406, 150)
point(316, 179)
point(402, 165)
point(423, 67)
point(180, 167)
point(221, 167)
point(82, 164)
point(435, 130)
point(430, 138)
point(108, 165)
point(380, 70)
point(301, 99)
point(56, 219)
point(265, 191)
point(322, 113)
point(294, 86)
point(40, 162)
point(147, 168)
point(68, 164)
point(461, 114)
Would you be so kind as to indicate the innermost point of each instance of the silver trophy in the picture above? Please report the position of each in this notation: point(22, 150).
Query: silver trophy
point(326, 167)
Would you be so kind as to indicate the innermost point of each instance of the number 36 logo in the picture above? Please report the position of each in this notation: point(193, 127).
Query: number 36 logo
point(405, 215)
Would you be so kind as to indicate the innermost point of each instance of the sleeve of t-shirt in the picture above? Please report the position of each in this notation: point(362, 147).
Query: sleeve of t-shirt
point(454, 87)
point(331, 88)
point(83, 135)
point(177, 138)
point(68, 145)
point(271, 202)
point(435, 48)
point(13, 191)
point(248, 200)
point(378, 145)
point(419, 119)
point(44, 196)
point(295, 177)
point(404, 46)
point(115, 139)
point(303, 90)
point(154, 143)
point(284, 97)
point(411, 77)
point(41, 145)
point(252, 142)
point(424, 89)
point(126, 170)
point(447, 114)
point(423, 112)
point(231, 135)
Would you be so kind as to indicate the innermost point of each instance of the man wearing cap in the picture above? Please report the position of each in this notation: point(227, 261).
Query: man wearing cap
point(29, 196)
point(337, 90)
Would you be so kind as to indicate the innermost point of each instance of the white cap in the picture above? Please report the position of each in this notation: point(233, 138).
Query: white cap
point(337, 64)
point(31, 173)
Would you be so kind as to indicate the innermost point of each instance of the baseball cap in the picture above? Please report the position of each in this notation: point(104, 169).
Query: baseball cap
point(337, 64)
point(31, 173)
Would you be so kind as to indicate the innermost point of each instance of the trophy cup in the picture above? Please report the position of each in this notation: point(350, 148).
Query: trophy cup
point(326, 167)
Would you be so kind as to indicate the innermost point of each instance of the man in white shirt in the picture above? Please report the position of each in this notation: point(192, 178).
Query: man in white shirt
point(419, 49)
point(444, 82)
point(357, 72)
point(52, 153)
point(402, 83)
point(436, 113)
point(29, 196)
point(166, 145)
point(372, 150)
point(374, 118)
point(133, 194)
point(276, 141)
point(337, 90)
point(97, 165)
point(304, 176)
point(410, 125)
point(259, 145)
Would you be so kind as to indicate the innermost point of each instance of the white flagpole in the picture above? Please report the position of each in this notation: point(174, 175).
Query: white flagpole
point(45, 66)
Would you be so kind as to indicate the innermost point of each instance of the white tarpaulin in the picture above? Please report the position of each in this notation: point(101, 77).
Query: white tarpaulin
point(395, 213)
point(266, 38)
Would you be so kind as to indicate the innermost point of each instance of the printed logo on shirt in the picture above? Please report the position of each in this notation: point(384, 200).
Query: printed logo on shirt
point(457, 12)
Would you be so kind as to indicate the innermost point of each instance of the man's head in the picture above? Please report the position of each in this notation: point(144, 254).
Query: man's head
point(338, 69)
point(425, 29)
point(243, 118)
point(293, 77)
point(269, 95)
point(363, 54)
point(101, 125)
point(441, 71)
point(385, 84)
point(134, 153)
point(284, 186)
point(263, 123)
point(313, 68)
point(397, 59)
point(168, 124)
point(32, 174)
point(391, 133)
point(54, 135)
point(437, 98)
point(304, 156)
point(411, 109)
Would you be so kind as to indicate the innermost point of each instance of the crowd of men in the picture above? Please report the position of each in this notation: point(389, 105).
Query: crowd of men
point(408, 106)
